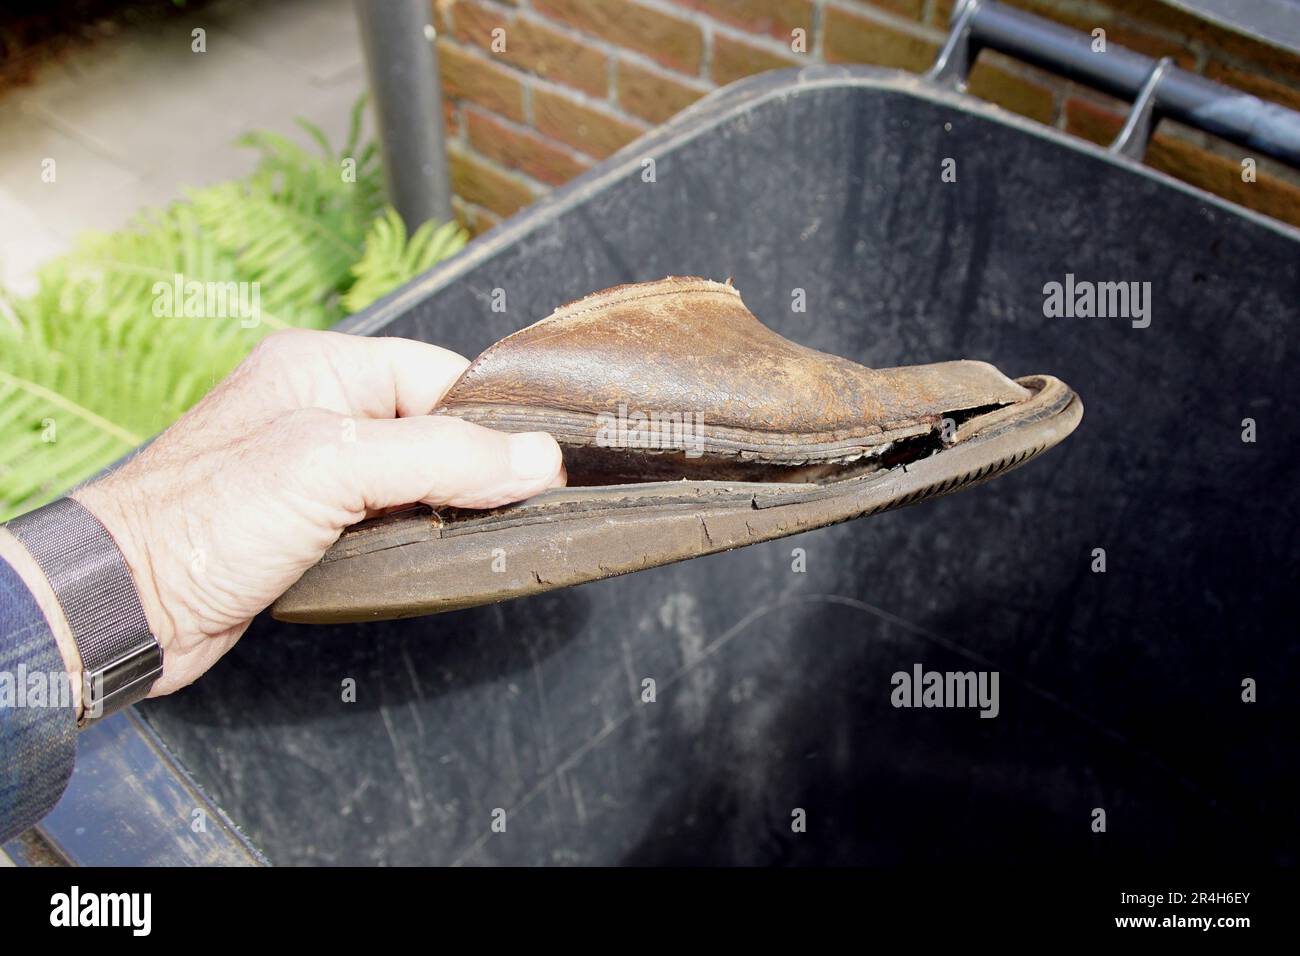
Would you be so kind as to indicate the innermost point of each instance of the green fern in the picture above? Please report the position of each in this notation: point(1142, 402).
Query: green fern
point(390, 259)
point(74, 399)
point(90, 366)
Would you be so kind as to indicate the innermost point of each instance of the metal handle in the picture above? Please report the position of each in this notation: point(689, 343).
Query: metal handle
point(1157, 88)
point(402, 64)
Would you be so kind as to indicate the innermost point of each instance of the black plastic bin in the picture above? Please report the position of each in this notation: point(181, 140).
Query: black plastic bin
point(1119, 690)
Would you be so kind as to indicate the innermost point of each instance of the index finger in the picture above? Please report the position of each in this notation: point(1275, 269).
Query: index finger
point(347, 374)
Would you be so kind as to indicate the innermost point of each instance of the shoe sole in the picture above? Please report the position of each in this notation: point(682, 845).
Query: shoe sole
point(411, 564)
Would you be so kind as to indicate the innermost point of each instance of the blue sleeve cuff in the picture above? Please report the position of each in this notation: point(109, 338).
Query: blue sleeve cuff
point(38, 726)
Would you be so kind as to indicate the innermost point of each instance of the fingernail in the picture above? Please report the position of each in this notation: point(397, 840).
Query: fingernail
point(533, 456)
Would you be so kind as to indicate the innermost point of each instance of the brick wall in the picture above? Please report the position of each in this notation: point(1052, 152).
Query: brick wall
point(538, 90)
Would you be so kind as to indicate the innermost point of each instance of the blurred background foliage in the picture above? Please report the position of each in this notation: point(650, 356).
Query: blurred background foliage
point(90, 365)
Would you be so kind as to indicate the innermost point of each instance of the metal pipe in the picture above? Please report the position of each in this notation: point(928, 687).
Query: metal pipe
point(402, 64)
point(1179, 95)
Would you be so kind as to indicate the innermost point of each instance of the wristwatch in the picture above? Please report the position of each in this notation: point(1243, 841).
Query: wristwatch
point(120, 657)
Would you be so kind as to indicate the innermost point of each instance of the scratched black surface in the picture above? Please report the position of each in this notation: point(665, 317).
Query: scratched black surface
point(1118, 690)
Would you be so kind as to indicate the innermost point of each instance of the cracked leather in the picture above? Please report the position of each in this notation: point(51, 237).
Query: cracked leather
point(685, 346)
point(689, 346)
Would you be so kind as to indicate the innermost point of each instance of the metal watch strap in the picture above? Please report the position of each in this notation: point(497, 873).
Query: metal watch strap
point(120, 658)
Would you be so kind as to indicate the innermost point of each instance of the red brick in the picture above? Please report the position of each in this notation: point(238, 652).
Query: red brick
point(853, 39)
point(941, 13)
point(650, 95)
point(733, 59)
point(552, 55)
point(450, 118)
point(1011, 91)
point(532, 46)
point(470, 77)
point(776, 18)
point(593, 131)
point(521, 149)
point(1091, 122)
point(1283, 94)
point(903, 8)
point(1222, 176)
point(474, 22)
point(669, 40)
point(1183, 160)
point(439, 8)
point(475, 181)
point(1265, 60)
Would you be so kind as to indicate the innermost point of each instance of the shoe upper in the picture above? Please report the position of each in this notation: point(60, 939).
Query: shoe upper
point(689, 345)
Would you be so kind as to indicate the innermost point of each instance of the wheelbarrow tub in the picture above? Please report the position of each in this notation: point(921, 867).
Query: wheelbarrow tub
point(690, 713)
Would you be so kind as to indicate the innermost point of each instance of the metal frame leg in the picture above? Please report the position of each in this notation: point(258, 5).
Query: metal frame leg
point(402, 63)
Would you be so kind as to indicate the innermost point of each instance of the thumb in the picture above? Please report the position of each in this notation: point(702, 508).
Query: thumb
point(447, 461)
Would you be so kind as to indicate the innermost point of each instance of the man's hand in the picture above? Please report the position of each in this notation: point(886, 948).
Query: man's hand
point(313, 432)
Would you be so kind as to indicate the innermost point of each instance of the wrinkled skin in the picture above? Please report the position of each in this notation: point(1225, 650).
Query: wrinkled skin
point(313, 432)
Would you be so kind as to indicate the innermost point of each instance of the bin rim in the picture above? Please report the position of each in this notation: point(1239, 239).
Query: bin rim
point(722, 105)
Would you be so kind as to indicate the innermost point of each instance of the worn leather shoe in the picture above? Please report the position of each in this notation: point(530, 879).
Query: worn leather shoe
point(688, 427)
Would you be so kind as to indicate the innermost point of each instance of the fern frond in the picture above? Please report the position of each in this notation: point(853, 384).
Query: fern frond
point(390, 260)
point(354, 127)
point(74, 405)
point(102, 355)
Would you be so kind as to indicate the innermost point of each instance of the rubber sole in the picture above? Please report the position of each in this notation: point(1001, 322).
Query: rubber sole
point(411, 564)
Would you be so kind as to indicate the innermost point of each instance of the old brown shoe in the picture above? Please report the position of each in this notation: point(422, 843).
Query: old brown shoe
point(688, 427)
point(635, 365)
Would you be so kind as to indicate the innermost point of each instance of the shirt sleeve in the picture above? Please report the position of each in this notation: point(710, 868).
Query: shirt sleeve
point(38, 727)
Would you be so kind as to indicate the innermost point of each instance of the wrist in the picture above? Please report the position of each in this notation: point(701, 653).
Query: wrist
point(125, 524)
point(25, 566)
